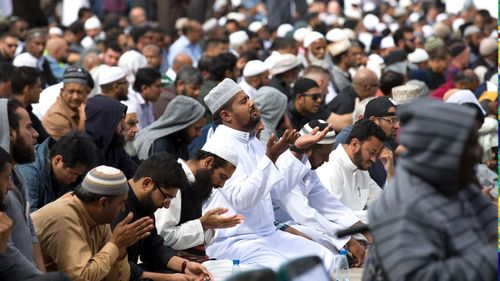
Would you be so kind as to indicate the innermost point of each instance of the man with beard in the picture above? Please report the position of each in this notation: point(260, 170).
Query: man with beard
point(131, 129)
point(315, 45)
point(345, 174)
point(182, 225)
point(113, 83)
point(256, 241)
point(105, 123)
point(404, 39)
point(154, 185)
point(311, 209)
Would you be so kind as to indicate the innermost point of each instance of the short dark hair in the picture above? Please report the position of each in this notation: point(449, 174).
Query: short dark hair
point(23, 76)
point(365, 129)
point(389, 80)
point(76, 148)
point(82, 11)
point(227, 106)
point(112, 44)
point(399, 34)
point(90, 197)
point(4, 158)
point(249, 55)
point(315, 69)
point(282, 43)
point(6, 70)
point(12, 106)
point(145, 76)
point(211, 42)
point(220, 64)
point(164, 170)
point(189, 75)
point(336, 59)
point(218, 161)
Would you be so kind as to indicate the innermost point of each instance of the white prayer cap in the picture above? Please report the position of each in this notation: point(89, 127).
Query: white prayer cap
point(399, 11)
point(368, 7)
point(255, 26)
point(387, 42)
point(284, 29)
point(405, 3)
point(131, 107)
point(336, 35)
point(427, 31)
point(441, 17)
point(56, 31)
point(457, 23)
point(236, 39)
point(328, 19)
point(221, 94)
point(353, 12)
point(271, 60)
point(301, 33)
point(110, 74)
point(92, 22)
point(180, 23)
point(210, 24)
point(216, 147)
point(487, 46)
point(236, 16)
point(471, 29)
point(254, 67)
point(321, 124)
point(494, 34)
point(418, 56)
point(219, 5)
point(414, 17)
point(285, 63)
point(464, 96)
point(380, 27)
point(338, 47)
point(405, 93)
point(370, 22)
point(311, 37)
point(25, 59)
point(394, 26)
point(350, 33)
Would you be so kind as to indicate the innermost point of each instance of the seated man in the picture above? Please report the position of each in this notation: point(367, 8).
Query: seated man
point(74, 230)
point(432, 222)
point(182, 225)
point(311, 209)
point(345, 175)
point(57, 167)
point(154, 185)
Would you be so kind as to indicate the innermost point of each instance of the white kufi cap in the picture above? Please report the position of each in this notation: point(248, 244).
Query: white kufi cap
point(254, 67)
point(221, 94)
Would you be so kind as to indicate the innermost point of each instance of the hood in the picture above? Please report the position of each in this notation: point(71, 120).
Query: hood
point(102, 117)
point(181, 112)
point(435, 134)
point(272, 105)
point(4, 126)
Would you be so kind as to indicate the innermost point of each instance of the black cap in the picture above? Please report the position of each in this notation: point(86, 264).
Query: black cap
point(76, 75)
point(302, 85)
point(378, 107)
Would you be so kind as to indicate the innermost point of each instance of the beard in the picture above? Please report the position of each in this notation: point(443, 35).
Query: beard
point(358, 160)
point(22, 152)
point(147, 202)
point(118, 140)
point(315, 61)
point(202, 187)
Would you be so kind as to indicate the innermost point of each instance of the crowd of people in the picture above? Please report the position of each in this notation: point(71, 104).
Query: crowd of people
point(141, 139)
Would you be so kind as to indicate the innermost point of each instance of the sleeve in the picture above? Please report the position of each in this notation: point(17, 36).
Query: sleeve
point(56, 124)
point(179, 237)
point(374, 191)
point(331, 178)
point(65, 242)
point(14, 265)
point(32, 180)
point(292, 170)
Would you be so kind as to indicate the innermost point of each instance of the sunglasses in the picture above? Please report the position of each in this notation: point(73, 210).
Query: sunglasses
point(314, 97)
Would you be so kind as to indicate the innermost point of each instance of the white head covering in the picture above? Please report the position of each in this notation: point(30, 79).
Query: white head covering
point(4, 126)
point(236, 16)
point(284, 63)
point(308, 127)
point(457, 23)
point(418, 56)
point(464, 96)
point(92, 22)
point(236, 39)
point(130, 62)
point(487, 46)
point(300, 34)
point(25, 59)
point(209, 24)
point(110, 74)
point(427, 31)
point(405, 93)
point(337, 48)
point(370, 21)
point(471, 29)
point(349, 33)
point(311, 37)
point(284, 29)
point(387, 42)
point(219, 149)
point(131, 107)
point(380, 27)
point(441, 17)
point(221, 94)
point(414, 17)
point(55, 31)
point(254, 67)
point(336, 35)
point(255, 26)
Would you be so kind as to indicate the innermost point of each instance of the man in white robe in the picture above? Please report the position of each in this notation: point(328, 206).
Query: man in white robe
point(256, 241)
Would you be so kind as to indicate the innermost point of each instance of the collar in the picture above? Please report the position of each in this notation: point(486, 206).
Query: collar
point(136, 96)
point(189, 173)
point(338, 69)
point(65, 108)
point(71, 197)
point(345, 159)
point(237, 134)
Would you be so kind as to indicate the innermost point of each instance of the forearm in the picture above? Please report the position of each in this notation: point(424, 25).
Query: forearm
point(175, 263)
point(38, 258)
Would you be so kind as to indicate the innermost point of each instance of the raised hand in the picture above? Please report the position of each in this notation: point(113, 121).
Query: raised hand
point(276, 148)
point(126, 234)
point(305, 141)
point(213, 219)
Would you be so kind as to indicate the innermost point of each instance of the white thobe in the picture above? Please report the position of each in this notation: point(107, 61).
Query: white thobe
point(187, 235)
point(248, 89)
point(256, 241)
point(310, 204)
point(350, 185)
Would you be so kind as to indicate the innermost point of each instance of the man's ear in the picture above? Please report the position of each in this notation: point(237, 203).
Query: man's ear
point(145, 182)
point(12, 135)
point(208, 162)
point(355, 145)
point(56, 160)
point(103, 201)
point(226, 116)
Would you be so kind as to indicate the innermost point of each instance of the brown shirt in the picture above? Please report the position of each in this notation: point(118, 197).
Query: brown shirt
point(74, 243)
point(60, 119)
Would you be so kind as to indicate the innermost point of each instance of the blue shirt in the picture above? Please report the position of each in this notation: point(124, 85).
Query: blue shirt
point(182, 45)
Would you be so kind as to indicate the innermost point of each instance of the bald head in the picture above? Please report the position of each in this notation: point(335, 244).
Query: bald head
point(90, 61)
point(137, 16)
point(365, 74)
point(57, 48)
point(365, 83)
point(180, 61)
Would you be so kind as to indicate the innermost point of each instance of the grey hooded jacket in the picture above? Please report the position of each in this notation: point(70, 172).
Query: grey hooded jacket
point(272, 105)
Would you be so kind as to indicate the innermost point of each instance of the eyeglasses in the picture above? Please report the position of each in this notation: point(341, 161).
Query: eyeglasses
point(166, 197)
point(314, 97)
point(392, 121)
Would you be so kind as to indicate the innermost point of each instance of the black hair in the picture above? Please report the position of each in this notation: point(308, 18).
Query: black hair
point(465, 76)
point(139, 31)
point(76, 148)
point(6, 70)
point(220, 64)
point(77, 27)
point(23, 76)
point(479, 112)
point(399, 34)
point(12, 106)
point(209, 43)
point(389, 80)
point(145, 76)
point(282, 43)
point(350, 23)
point(189, 75)
point(204, 64)
point(112, 44)
point(365, 129)
point(218, 161)
point(336, 59)
point(249, 55)
point(82, 11)
point(164, 170)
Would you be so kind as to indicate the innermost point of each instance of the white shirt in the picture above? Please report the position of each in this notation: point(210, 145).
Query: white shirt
point(351, 186)
point(145, 114)
point(47, 98)
point(310, 204)
point(187, 235)
point(171, 74)
point(248, 89)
